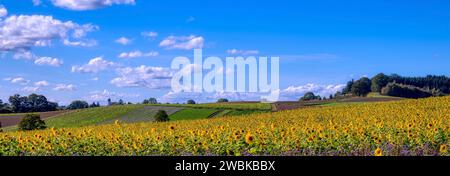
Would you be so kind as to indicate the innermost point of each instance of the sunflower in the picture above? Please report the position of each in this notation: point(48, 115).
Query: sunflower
point(443, 148)
point(171, 127)
point(249, 138)
point(378, 152)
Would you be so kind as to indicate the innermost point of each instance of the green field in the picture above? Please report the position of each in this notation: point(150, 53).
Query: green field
point(144, 114)
point(234, 106)
point(91, 116)
point(192, 113)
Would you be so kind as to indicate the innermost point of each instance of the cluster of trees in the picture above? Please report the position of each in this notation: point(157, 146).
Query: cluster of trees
point(396, 85)
point(80, 104)
point(150, 101)
point(222, 100)
point(310, 96)
point(31, 103)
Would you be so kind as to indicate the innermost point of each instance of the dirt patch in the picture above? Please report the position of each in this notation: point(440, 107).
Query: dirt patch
point(11, 120)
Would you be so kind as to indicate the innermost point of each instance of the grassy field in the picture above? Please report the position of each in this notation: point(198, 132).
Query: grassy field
point(192, 114)
point(91, 116)
point(407, 127)
point(234, 106)
point(144, 114)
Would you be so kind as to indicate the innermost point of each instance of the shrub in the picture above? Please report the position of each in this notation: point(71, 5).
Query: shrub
point(161, 116)
point(32, 122)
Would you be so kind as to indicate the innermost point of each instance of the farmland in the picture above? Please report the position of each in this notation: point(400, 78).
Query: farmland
point(406, 127)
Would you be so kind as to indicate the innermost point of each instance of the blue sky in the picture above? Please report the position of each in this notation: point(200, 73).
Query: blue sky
point(321, 44)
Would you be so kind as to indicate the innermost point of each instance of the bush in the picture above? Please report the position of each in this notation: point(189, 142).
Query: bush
point(32, 122)
point(161, 116)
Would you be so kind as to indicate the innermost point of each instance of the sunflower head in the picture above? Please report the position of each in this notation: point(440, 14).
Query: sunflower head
point(443, 148)
point(249, 138)
point(378, 152)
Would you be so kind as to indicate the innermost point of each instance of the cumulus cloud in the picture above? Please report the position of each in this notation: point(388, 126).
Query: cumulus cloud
point(322, 90)
point(81, 5)
point(291, 93)
point(123, 41)
point(21, 33)
point(149, 34)
point(37, 2)
point(3, 11)
point(65, 87)
point(183, 42)
point(137, 53)
point(31, 89)
point(143, 76)
point(41, 84)
point(18, 80)
point(28, 55)
point(105, 94)
point(190, 19)
point(242, 52)
point(80, 43)
point(54, 62)
point(93, 66)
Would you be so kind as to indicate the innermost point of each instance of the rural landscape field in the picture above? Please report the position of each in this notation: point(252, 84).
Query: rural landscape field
point(405, 127)
point(180, 81)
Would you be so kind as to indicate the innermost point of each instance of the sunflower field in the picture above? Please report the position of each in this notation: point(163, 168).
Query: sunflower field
point(407, 127)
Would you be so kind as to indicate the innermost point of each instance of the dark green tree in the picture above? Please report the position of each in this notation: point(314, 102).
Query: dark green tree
point(361, 87)
point(152, 101)
point(78, 104)
point(190, 102)
point(32, 122)
point(378, 82)
point(222, 100)
point(161, 116)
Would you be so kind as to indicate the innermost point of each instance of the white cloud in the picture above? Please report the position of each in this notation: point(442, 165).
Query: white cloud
point(3, 11)
point(89, 4)
point(322, 90)
point(149, 34)
point(183, 42)
point(54, 62)
point(31, 89)
point(105, 94)
point(123, 41)
point(37, 2)
point(242, 52)
point(137, 53)
point(94, 79)
point(65, 87)
point(190, 19)
point(21, 33)
point(80, 43)
point(18, 80)
point(291, 93)
point(41, 84)
point(93, 66)
point(28, 55)
point(143, 76)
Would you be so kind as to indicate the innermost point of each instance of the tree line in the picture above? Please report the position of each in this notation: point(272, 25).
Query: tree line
point(398, 86)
